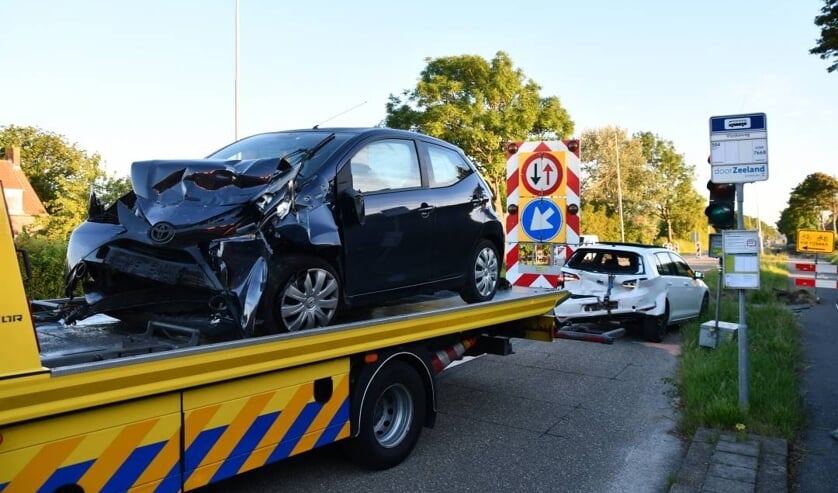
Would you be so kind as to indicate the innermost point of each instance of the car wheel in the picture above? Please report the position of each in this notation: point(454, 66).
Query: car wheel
point(303, 292)
point(654, 328)
point(391, 418)
point(483, 273)
point(705, 306)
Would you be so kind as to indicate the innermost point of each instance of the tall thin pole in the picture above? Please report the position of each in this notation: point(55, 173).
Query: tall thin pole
point(619, 192)
point(236, 103)
point(743, 322)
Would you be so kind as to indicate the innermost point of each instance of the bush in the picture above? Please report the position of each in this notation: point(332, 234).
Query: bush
point(47, 258)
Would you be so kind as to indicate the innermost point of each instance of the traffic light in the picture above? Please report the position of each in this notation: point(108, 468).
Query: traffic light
point(720, 212)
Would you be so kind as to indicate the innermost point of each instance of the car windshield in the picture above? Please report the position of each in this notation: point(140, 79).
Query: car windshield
point(606, 261)
point(279, 144)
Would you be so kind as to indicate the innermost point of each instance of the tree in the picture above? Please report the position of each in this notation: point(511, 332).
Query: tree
point(479, 105)
point(61, 174)
point(812, 205)
point(827, 45)
point(670, 187)
point(654, 187)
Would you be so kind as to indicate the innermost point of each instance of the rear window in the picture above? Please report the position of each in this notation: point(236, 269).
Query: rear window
point(606, 261)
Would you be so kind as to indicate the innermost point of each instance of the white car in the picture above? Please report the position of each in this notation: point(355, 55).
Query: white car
point(643, 286)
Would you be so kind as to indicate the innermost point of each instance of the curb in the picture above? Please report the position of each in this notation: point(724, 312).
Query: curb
point(727, 462)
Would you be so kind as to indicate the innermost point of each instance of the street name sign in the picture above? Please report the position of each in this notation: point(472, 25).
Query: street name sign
point(738, 148)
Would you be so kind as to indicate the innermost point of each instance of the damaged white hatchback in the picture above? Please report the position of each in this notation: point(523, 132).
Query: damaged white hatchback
point(641, 286)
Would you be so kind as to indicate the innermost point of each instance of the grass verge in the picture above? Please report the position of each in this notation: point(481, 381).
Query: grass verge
point(707, 380)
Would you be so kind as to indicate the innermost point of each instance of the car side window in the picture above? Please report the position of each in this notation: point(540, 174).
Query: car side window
point(447, 166)
point(389, 164)
point(681, 267)
point(664, 264)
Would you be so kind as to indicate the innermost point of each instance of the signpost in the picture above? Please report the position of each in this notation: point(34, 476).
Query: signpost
point(739, 155)
point(738, 148)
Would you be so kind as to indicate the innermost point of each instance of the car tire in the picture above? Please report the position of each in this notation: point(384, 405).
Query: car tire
point(303, 292)
point(654, 328)
point(391, 418)
point(483, 273)
point(705, 306)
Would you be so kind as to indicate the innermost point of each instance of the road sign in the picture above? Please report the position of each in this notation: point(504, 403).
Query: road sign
point(738, 148)
point(811, 241)
point(542, 173)
point(541, 220)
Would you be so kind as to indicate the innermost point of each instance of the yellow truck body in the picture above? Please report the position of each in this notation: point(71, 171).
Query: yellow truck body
point(180, 419)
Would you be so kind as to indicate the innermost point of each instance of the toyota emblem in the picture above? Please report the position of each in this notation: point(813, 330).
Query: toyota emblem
point(162, 233)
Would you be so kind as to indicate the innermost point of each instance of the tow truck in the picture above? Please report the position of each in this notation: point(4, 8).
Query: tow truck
point(99, 407)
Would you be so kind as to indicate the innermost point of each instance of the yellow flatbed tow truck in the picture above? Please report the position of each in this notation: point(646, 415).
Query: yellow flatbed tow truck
point(92, 407)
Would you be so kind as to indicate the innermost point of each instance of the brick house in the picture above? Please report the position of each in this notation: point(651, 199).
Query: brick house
point(24, 204)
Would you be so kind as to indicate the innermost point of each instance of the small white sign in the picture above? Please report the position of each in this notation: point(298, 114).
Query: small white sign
point(740, 259)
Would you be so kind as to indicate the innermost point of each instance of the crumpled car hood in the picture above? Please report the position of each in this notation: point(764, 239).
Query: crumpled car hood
point(184, 192)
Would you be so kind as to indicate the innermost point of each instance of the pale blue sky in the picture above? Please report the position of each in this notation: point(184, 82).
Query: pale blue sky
point(154, 78)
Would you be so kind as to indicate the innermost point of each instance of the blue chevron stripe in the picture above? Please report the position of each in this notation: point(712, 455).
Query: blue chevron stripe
point(245, 447)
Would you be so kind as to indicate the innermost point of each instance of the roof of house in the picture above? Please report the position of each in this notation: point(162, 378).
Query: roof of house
point(13, 178)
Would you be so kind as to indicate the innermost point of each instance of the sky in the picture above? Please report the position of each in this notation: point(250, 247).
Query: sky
point(155, 79)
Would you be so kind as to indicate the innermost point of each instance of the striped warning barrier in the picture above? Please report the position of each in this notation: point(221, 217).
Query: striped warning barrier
point(816, 275)
point(562, 194)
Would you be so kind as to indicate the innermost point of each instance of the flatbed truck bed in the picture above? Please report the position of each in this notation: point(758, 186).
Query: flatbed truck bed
point(97, 407)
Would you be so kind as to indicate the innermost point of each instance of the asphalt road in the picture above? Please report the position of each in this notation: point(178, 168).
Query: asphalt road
point(561, 416)
point(818, 467)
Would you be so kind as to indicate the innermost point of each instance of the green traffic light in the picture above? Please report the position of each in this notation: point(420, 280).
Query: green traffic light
point(721, 213)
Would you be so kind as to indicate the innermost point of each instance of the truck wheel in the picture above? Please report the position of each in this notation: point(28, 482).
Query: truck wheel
point(654, 328)
point(391, 418)
point(302, 293)
point(483, 273)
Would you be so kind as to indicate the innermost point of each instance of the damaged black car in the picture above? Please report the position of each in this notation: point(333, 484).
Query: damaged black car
point(280, 231)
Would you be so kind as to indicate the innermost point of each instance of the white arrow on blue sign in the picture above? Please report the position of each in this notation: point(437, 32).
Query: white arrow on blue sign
point(542, 220)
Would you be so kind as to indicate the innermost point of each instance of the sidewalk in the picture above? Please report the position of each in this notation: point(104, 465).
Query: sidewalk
point(721, 461)
point(725, 462)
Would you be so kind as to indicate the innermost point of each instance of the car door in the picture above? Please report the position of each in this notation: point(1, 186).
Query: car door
point(692, 293)
point(672, 283)
point(456, 193)
point(391, 247)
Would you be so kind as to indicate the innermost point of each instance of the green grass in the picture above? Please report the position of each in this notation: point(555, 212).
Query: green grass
point(708, 379)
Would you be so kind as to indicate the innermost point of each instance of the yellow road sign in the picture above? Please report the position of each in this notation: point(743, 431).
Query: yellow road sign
point(811, 241)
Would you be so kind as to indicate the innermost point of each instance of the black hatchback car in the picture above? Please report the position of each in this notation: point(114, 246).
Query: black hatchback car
point(278, 231)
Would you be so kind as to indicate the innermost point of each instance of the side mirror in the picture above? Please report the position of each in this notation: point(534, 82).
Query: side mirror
point(355, 204)
point(698, 275)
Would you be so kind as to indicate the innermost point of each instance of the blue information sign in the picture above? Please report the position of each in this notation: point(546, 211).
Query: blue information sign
point(542, 220)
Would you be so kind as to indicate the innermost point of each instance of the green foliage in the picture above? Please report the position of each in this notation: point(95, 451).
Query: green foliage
point(708, 379)
point(658, 197)
point(827, 45)
point(61, 174)
point(479, 105)
point(812, 204)
point(47, 257)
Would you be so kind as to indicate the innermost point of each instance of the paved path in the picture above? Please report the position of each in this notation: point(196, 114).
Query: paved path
point(818, 468)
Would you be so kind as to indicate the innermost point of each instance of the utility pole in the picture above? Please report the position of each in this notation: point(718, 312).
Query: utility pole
point(236, 77)
point(619, 190)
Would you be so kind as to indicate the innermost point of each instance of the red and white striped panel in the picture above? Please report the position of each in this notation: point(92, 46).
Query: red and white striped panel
point(816, 280)
point(513, 196)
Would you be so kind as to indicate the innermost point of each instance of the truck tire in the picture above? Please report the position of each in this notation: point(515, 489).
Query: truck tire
point(302, 292)
point(391, 418)
point(654, 328)
point(483, 273)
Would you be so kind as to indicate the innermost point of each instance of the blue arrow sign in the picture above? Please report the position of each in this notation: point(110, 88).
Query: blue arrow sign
point(542, 220)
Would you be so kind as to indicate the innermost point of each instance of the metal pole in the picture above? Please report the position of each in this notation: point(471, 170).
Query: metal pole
point(743, 325)
point(236, 103)
point(619, 192)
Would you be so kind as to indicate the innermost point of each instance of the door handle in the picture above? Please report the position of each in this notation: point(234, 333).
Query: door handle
point(425, 210)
